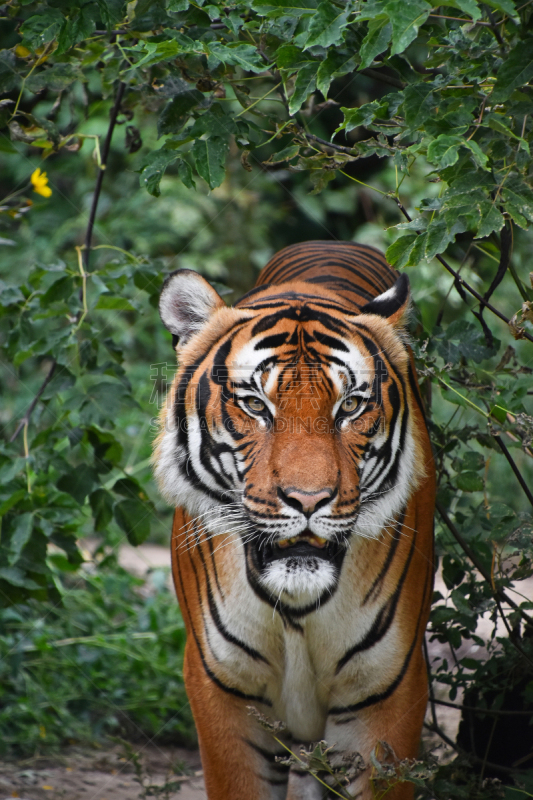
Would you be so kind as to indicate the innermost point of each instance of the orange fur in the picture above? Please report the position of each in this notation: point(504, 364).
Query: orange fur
point(247, 647)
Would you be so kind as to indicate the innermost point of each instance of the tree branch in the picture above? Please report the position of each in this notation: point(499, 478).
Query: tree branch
point(498, 593)
point(460, 282)
point(500, 712)
point(506, 246)
point(512, 463)
point(100, 176)
point(26, 418)
point(378, 76)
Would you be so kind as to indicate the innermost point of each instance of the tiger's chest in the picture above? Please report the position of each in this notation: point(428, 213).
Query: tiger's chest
point(298, 664)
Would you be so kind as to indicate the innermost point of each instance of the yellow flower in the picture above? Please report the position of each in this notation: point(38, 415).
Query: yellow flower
point(40, 183)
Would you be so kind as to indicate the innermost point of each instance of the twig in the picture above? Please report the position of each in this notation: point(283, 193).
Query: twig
point(512, 635)
point(460, 282)
point(100, 176)
point(430, 684)
point(506, 246)
point(26, 418)
point(438, 730)
point(512, 463)
point(477, 563)
point(377, 76)
point(339, 147)
point(465, 754)
point(492, 712)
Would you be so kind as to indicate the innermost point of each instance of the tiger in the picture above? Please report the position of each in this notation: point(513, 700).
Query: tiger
point(294, 446)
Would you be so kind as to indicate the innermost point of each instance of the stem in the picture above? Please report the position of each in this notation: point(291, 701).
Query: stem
point(26, 456)
point(477, 563)
point(330, 788)
point(363, 184)
point(26, 418)
point(512, 463)
point(461, 281)
point(258, 100)
point(100, 176)
point(491, 712)
point(83, 288)
point(377, 76)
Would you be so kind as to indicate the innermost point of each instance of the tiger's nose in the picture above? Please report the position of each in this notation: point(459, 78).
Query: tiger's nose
point(305, 502)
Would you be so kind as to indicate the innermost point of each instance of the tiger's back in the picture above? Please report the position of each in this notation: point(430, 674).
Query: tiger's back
point(302, 542)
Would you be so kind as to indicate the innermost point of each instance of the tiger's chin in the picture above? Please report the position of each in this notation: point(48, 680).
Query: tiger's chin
point(300, 569)
point(299, 578)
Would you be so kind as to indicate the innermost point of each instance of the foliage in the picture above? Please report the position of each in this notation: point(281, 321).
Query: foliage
point(106, 660)
point(406, 116)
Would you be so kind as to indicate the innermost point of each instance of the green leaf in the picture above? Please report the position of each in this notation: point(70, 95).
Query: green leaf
point(78, 26)
point(495, 121)
point(56, 78)
point(12, 501)
point(327, 25)
point(362, 116)
point(491, 220)
point(133, 517)
point(418, 104)
point(78, 482)
point(507, 6)
point(285, 155)
point(102, 507)
point(16, 577)
point(406, 18)
point(462, 339)
point(240, 55)
point(376, 40)
point(304, 85)
point(114, 303)
point(444, 150)
point(185, 173)
point(210, 159)
point(438, 237)
point(516, 71)
point(473, 461)
point(469, 482)
point(42, 28)
point(155, 52)
point(290, 57)
point(154, 169)
point(468, 6)
point(518, 201)
point(399, 251)
point(176, 112)
point(286, 8)
point(20, 536)
point(334, 66)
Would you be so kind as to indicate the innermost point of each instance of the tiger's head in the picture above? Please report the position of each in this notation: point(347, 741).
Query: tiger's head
point(289, 425)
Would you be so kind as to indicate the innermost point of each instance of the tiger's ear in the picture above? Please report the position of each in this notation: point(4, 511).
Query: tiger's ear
point(187, 302)
point(392, 304)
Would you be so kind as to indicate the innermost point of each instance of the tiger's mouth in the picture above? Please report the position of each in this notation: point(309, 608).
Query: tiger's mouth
point(307, 537)
point(305, 545)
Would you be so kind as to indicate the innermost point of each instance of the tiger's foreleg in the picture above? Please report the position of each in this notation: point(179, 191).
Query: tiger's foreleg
point(238, 756)
point(396, 722)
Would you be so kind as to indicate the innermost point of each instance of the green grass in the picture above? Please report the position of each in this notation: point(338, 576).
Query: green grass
point(106, 661)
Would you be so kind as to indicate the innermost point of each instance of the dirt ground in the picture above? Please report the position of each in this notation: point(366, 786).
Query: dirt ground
point(82, 774)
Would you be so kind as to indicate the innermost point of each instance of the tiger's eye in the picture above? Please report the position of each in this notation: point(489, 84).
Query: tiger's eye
point(350, 404)
point(255, 404)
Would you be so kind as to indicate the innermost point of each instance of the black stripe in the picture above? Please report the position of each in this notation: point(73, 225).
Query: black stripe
point(208, 671)
point(378, 697)
point(383, 619)
point(390, 555)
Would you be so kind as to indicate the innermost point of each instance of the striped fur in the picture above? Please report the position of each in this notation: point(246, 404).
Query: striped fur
point(294, 446)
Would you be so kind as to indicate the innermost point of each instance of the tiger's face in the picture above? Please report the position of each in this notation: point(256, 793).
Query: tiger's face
point(288, 426)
